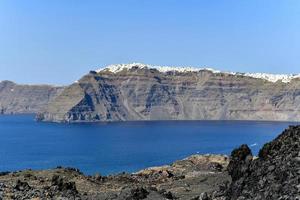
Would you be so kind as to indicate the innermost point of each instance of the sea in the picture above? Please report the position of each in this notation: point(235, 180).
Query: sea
point(116, 147)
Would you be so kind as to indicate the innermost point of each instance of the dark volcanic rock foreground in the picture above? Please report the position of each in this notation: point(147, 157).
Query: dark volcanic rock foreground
point(274, 174)
point(184, 179)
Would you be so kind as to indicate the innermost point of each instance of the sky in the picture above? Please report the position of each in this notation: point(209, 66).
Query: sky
point(58, 41)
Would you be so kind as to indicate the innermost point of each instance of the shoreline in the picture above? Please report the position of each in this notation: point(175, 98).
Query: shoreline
point(183, 178)
point(274, 174)
point(147, 121)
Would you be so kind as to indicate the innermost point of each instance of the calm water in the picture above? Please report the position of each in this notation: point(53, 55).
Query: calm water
point(116, 147)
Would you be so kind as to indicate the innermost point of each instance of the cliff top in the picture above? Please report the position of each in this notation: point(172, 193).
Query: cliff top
point(115, 68)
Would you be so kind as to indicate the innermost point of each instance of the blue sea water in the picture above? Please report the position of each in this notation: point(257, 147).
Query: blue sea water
point(110, 148)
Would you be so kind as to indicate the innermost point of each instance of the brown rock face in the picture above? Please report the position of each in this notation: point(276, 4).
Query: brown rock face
point(148, 94)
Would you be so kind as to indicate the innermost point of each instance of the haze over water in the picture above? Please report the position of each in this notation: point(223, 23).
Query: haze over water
point(124, 146)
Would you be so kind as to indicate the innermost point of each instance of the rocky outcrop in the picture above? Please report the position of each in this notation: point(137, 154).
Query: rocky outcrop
point(139, 92)
point(15, 98)
point(184, 179)
point(273, 175)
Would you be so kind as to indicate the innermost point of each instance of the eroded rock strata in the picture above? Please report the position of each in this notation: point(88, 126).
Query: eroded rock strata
point(139, 92)
point(16, 98)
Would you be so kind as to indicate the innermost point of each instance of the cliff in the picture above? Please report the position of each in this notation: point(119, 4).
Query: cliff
point(15, 98)
point(142, 92)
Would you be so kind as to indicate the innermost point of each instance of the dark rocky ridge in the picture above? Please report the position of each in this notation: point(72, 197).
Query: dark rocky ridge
point(16, 98)
point(275, 174)
point(148, 94)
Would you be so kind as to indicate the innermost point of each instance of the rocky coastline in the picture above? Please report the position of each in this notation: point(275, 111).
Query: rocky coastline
point(274, 174)
point(184, 179)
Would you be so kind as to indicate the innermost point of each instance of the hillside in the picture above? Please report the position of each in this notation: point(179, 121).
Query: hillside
point(273, 175)
point(16, 98)
point(143, 92)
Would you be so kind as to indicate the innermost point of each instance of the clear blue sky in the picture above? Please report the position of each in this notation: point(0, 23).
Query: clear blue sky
point(58, 41)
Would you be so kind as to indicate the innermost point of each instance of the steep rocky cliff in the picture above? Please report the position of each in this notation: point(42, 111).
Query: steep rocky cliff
point(15, 98)
point(142, 92)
